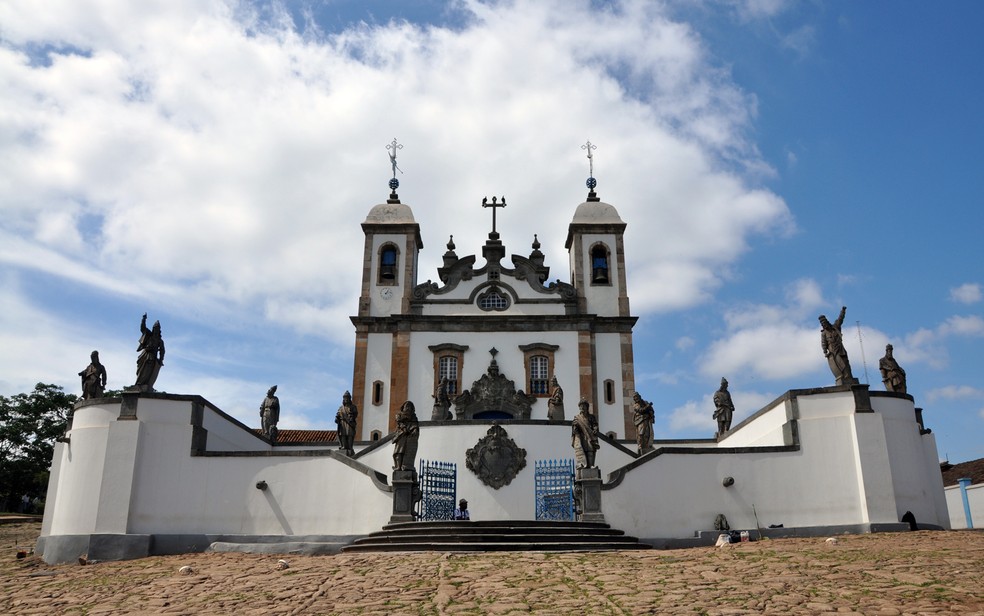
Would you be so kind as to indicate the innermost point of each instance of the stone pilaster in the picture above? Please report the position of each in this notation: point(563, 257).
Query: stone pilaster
point(406, 490)
point(587, 483)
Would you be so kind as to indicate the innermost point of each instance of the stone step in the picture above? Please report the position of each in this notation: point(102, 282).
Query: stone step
point(500, 535)
point(496, 547)
point(468, 529)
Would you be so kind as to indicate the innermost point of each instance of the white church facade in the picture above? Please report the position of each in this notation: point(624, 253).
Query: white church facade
point(157, 473)
point(409, 336)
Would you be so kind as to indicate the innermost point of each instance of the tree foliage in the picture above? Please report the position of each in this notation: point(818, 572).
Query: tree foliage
point(29, 425)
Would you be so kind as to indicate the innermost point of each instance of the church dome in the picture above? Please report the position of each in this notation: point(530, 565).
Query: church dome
point(391, 213)
point(594, 212)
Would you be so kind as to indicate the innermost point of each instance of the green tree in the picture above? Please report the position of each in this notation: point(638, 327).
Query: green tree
point(29, 425)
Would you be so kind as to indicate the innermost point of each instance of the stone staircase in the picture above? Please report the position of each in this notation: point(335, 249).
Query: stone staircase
point(495, 536)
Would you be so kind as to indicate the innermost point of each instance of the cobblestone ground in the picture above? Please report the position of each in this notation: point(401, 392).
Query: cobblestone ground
point(904, 573)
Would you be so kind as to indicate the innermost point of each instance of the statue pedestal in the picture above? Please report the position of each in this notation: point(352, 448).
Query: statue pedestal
point(588, 482)
point(406, 489)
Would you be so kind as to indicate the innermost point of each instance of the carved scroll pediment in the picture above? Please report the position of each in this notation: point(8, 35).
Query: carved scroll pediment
point(496, 458)
point(493, 392)
point(462, 269)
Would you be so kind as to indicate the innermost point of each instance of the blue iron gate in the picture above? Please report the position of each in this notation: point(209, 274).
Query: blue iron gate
point(438, 487)
point(554, 489)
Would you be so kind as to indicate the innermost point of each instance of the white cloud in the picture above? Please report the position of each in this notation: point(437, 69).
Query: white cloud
point(700, 415)
point(694, 415)
point(684, 342)
point(186, 148)
point(972, 325)
point(954, 392)
point(929, 344)
point(767, 340)
point(968, 293)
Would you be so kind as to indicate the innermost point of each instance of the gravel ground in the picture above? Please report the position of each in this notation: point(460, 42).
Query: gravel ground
point(887, 573)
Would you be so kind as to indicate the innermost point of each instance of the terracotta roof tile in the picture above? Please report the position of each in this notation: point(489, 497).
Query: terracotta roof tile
point(285, 437)
point(973, 469)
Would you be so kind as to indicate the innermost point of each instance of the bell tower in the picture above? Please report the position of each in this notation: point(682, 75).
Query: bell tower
point(597, 260)
point(597, 254)
point(389, 274)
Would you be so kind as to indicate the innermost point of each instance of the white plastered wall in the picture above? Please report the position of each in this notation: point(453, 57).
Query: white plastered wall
point(954, 503)
point(379, 306)
point(601, 299)
point(608, 362)
point(139, 476)
point(379, 358)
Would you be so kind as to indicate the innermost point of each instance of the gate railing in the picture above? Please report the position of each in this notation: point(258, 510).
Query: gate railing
point(554, 489)
point(438, 487)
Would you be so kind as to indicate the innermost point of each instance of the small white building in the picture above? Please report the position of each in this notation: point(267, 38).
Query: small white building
point(153, 473)
point(971, 475)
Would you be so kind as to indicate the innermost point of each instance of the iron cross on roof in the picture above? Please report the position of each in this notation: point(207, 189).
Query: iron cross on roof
point(495, 204)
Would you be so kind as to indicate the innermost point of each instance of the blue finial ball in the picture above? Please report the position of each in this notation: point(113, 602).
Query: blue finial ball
point(591, 183)
point(394, 184)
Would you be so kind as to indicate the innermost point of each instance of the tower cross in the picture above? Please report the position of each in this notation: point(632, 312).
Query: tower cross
point(495, 204)
point(394, 147)
point(589, 146)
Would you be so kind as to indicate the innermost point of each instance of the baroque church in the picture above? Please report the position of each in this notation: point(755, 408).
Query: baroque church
point(496, 329)
point(483, 352)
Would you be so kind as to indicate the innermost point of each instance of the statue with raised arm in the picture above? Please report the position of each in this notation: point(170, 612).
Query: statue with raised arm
point(832, 343)
point(643, 416)
point(345, 422)
point(584, 435)
point(407, 436)
point(555, 403)
point(93, 378)
point(893, 376)
point(724, 408)
point(151, 357)
point(270, 414)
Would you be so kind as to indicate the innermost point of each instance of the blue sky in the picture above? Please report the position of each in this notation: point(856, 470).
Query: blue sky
point(210, 162)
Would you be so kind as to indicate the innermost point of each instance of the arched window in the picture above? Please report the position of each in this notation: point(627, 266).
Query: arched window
point(609, 391)
point(493, 299)
point(447, 367)
point(449, 361)
point(539, 360)
point(388, 258)
point(539, 375)
point(376, 435)
point(377, 392)
point(599, 264)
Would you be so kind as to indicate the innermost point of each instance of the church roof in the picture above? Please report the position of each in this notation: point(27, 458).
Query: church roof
point(285, 437)
point(391, 213)
point(973, 469)
point(594, 212)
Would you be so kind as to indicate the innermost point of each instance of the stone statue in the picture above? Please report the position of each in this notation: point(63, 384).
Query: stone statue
point(832, 343)
point(584, 436)
point(93, 378)
point(405, 441)
point(442, 401)
point(644, 417)
point(724, 408)
point(555, 404)
point(893, 376)
point(270, 414)
point(345, 421)
point(151, 358)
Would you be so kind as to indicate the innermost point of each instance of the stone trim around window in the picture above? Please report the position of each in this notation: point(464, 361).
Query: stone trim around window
point(449, 350)
point(388, 274)
point(537, 375)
